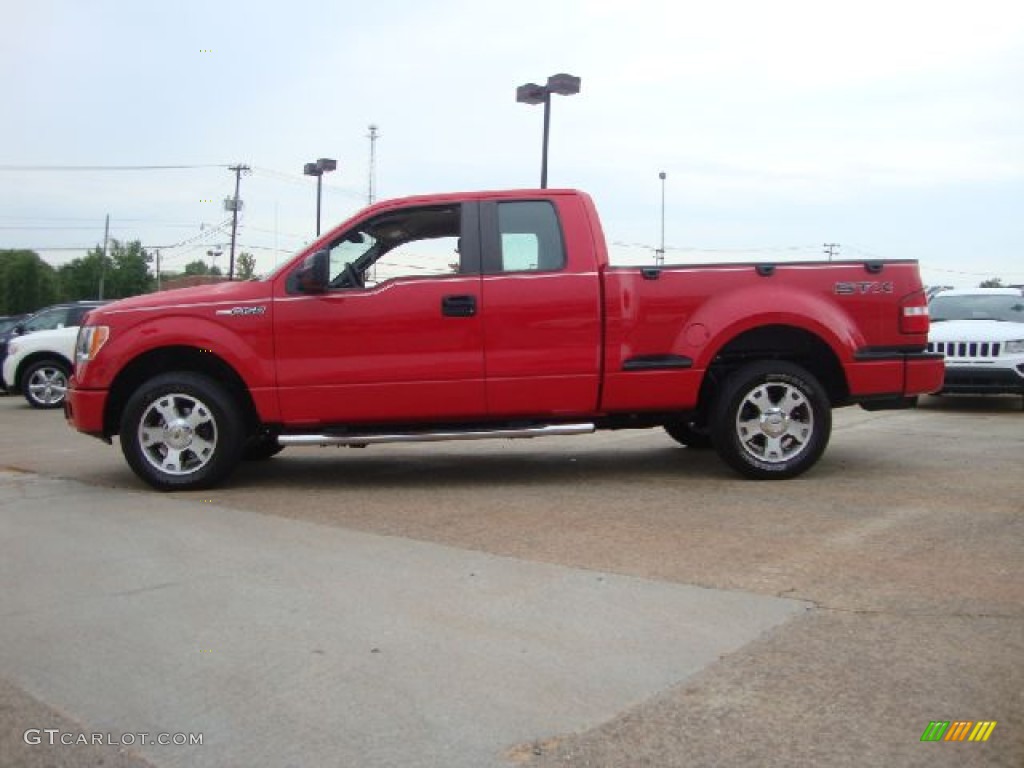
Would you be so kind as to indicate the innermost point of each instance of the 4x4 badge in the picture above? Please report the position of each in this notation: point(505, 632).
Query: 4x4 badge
point(243, 311)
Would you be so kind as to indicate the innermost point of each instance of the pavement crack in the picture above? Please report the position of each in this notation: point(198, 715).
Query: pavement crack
point(140, 590)
point(917, 614)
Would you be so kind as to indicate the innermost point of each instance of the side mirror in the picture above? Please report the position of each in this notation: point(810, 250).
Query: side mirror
point(315, 272)
point(18, 330)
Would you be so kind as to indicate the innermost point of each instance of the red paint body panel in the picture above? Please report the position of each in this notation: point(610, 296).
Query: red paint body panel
point(382, 354)
point(541, 344)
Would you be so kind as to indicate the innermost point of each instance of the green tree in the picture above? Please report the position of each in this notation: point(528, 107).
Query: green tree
point(125, 272)
point(197, 267)
point(26, 282)
point(130, 274)
point(80, 278)
point(992, 282)
point(245, 268)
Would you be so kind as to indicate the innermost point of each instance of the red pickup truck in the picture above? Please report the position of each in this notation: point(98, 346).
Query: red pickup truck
point(496, 314)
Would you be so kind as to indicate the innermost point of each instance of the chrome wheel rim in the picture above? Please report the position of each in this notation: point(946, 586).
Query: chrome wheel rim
point(48, 386)
point(178, 434)
point(775, 422)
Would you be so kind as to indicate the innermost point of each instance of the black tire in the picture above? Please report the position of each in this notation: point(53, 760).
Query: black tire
point(690, 433)
point(771, 421)
point(45, 383)
point(261, 448)
point(195, 430)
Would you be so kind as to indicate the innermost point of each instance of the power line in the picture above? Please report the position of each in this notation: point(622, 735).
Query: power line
point(303, 181)
point(106, 167)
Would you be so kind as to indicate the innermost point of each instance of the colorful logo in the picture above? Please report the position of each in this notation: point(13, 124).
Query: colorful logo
point(958, 730)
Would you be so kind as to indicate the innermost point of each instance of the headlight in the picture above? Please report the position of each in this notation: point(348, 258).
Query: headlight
point(91, 339)
point(1015, 347)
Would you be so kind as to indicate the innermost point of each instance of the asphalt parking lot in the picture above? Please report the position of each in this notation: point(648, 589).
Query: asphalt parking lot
point(669, 613)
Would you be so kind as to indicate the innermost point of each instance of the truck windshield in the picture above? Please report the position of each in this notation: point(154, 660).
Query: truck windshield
point(1006, 308)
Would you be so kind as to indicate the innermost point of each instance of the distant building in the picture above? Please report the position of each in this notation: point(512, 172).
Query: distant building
point(190, 281)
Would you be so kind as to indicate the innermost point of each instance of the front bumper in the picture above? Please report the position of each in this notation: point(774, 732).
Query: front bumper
point(83, 408)
point(983, 380)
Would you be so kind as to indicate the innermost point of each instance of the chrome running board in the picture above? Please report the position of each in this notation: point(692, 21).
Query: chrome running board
point(547, 430)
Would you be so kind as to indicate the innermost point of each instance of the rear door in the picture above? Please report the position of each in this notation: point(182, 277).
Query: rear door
point(542, 308)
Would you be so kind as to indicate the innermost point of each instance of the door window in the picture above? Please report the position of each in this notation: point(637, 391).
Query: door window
point(529, 237)
point(48, 320)
point(414, 242)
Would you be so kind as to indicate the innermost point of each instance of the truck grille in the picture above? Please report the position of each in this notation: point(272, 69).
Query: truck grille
point(967, 349)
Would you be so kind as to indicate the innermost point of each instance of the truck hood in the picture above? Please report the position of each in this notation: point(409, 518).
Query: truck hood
point(975, 330)
point(219, 293)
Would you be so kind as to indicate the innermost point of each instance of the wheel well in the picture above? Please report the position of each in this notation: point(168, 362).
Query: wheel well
point(778, 342)
point(168, 359)
point(37, 357)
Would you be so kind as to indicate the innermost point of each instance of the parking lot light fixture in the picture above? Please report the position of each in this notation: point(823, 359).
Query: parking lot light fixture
point(318, 169)
point(533, 94)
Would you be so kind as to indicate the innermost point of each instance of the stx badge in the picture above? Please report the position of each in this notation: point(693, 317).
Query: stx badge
point(863, 286)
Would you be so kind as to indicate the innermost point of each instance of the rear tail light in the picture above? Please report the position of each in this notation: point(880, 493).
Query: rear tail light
point(914, 314)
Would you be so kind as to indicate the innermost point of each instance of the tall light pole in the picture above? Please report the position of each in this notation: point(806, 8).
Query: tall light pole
point(318, 169)
point(372, 191)
point(660, 256)
point(214, 254)
point(531, 93)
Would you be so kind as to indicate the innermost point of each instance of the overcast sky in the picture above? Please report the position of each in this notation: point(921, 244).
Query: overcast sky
point(895, 128)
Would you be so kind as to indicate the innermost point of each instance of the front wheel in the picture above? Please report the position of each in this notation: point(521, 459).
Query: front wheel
point(181, 432)
point(771, 421)
point(46, 384)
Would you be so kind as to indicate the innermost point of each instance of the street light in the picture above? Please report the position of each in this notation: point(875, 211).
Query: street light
point(660, 256)
point(533, 94)
point(214, 255)
point(318, 169)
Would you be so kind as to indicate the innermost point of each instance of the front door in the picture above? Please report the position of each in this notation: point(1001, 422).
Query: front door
point(398, 335)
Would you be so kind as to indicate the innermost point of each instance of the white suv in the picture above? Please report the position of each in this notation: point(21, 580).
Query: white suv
point(981, 333)
point(39, 365)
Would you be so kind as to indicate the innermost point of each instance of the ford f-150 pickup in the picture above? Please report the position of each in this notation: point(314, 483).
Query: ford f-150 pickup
point(497, 314)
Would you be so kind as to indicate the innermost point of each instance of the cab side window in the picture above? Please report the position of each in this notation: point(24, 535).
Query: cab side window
point(413, 242)
point(529, 238)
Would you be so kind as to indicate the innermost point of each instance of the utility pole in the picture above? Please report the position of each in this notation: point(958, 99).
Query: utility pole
point(157, 252)
point(103, 261)
point(372, 136)
point(831, 249)
point(235, 205)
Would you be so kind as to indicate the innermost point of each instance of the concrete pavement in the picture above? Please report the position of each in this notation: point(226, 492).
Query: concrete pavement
point(286, 643)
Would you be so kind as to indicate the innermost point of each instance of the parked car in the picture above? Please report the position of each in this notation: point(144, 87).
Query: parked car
point(981, 333)
point(57, 316)
point(39, 365)
point(9, 321)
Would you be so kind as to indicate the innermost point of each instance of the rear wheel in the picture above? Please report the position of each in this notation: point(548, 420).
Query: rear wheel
point(46, 384)
point(771, 421)
point(181, 431)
